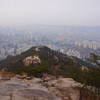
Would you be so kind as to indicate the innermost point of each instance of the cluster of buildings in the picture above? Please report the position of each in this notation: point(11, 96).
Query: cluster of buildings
point(88, 44)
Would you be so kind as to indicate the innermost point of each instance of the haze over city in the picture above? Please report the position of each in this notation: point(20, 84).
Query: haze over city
point(50, 12)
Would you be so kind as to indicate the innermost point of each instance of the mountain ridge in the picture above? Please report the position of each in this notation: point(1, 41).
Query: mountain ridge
point(43, 60)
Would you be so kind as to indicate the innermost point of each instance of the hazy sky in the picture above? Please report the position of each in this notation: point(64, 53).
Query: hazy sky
point(56, 12)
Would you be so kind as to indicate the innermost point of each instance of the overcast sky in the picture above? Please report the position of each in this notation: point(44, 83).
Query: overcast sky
point(53, 12)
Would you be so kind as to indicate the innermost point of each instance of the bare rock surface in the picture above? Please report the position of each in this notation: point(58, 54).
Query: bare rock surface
point(64, 88)
point(39, 89)
point(31, 60)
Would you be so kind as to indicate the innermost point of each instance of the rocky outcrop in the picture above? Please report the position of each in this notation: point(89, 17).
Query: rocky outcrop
point(17, 89)
point(23, 87)
point(65, 88)
point(48, 88)
point(31, 60)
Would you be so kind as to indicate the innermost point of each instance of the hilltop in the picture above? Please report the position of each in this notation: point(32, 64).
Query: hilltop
point(41, 59)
